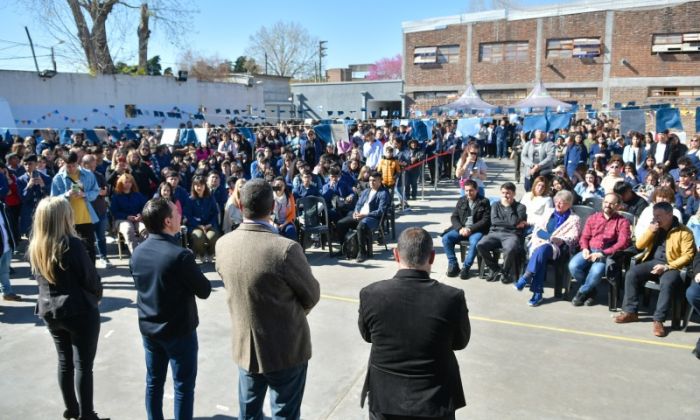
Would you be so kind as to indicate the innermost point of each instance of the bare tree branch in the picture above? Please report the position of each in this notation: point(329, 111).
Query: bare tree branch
point(291, 50)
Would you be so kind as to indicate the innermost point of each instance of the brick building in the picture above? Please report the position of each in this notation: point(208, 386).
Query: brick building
point(599, 53)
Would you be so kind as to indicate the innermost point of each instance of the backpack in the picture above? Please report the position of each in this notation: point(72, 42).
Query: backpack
point(351, 245)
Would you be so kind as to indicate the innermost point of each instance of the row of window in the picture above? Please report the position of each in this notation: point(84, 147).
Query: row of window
point(518, 51)
point(564, 94)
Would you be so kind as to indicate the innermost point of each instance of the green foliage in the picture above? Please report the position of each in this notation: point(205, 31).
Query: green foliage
point(239, 65)
point(153, 68)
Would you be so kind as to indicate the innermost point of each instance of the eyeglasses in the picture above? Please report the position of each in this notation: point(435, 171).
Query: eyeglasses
point(472, 153)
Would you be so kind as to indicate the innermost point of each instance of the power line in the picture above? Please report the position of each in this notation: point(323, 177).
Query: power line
point(23, 58)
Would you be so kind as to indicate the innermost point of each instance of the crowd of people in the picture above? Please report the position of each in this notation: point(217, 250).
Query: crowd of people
point(154, 197)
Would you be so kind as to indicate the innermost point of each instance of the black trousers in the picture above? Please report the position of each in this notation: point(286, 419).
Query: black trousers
point(380, 416)
point(512, 250)
point(87, 234)
point(76, 344)
point(363, 231)
point(640, 274)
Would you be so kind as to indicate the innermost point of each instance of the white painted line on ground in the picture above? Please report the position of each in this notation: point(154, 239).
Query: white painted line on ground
point(109, 333)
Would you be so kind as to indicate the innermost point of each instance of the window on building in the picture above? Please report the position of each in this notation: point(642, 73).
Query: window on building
point(575, 93)
point(448, 54)
point(425, 55)
point(573, 48)
point(434, 94)
point(688, 42)
point(506, 94)
point(130, 111)
point(498, 52)
point(683, 91)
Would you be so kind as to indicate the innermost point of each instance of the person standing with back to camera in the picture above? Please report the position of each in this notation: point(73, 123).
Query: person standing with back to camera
point(69, 294)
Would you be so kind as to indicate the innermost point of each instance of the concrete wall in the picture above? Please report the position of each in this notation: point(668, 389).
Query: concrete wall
point(314, 100)
point(72, 100)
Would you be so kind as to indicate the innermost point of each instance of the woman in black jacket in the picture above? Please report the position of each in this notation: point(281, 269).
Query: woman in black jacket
point(69, 293)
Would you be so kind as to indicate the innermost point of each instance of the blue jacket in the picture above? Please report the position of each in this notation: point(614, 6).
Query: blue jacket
point(30, 198)
point(201, 211)
point(167, 279)
point(300, 192)
point(575, 155)
point(377, 206)
point(124, 205)
point(62, 183)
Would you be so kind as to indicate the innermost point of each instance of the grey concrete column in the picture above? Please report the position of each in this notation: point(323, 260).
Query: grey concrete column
point(470, 30)
point(364, 105)
point(607, 55)
point(538, 51)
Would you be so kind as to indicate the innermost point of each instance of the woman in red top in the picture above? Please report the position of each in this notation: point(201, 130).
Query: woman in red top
point(12, 201)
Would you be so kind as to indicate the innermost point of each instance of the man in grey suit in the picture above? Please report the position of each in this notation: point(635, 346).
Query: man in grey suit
point(538, 156)
point(270, 291)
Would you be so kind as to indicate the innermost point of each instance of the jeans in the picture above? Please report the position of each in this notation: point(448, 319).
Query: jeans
point(640, 274)
point(181, 352)
point(588, 274)
point(286, 392)
point(538, 266)
point(5, 286)
point(76, 344)
point(290, 232)
point(100, 237)
point(501, 148)
point(452, 238)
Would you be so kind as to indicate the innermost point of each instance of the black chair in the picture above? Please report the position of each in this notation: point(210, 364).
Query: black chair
point(463, 248)
point(389, 219)
point(689, 313)
point(678, 302)
point(381, 237)
point(313, 213)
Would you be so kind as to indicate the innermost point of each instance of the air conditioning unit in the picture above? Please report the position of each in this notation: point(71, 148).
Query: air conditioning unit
point(691, 47)
point(667, 48)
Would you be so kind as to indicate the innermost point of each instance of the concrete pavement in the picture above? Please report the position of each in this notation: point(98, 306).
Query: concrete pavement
point(550, 362)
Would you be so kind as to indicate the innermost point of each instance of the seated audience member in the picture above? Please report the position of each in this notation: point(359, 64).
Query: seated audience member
point(667, 180)
point(647, 167)
point(368, 213)
point(590, 187)
point(470, 220)
point(686, 186)
point(127, 204)
point(668, 247)
point(605, 233)
point(285, 209)
point(648, 185)
point(631, 202)
point(692, 294)
point(307, 187)
point(179, 193)
point(554, 236)
point(537, 201)
point(630, 175)
point(233, 210)
point(165, 190)
point(217, 189)
point(660, 194)
point(613, 176)
point(202, 219)
point(338, 194)
point(508, 220)
point(563, 184)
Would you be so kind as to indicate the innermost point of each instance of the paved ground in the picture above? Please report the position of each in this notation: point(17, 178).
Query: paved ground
point(550, 362)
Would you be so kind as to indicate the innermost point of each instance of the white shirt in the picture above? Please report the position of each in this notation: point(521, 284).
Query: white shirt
point(365, 208)
point(660, 150)
point(372, 151)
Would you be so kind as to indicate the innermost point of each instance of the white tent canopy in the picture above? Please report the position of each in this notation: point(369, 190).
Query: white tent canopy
point(540, 99)
point(469, 100)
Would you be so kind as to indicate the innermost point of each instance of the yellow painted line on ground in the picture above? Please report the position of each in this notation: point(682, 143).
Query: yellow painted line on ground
point(549, 328)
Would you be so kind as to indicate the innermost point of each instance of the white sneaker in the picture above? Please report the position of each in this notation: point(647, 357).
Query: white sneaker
point(107, 263)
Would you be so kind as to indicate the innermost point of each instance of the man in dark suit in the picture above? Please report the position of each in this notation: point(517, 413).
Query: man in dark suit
point(167, 280)
point(370, 208)
point(414, 324)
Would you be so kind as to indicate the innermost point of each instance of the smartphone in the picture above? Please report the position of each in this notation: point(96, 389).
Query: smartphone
point(75, 188)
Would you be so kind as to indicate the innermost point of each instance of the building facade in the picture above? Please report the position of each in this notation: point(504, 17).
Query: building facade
point(599, 53)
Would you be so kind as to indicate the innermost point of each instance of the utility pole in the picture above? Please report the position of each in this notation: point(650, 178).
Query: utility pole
point(321, 53)
point(31, 44)
point(266, 63)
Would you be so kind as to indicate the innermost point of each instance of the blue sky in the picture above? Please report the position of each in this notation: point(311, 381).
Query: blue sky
point(361, 31)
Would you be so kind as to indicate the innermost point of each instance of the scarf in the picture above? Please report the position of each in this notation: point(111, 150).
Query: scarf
point(559, 219)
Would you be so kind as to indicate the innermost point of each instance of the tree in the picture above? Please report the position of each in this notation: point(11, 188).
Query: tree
point(82, 26)
point(204, 68)
point(153, 67)
point(286, 48)
point(239, 65)
point(388, 68)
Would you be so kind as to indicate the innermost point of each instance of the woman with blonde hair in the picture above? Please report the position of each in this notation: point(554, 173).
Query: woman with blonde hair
point(126, 207)
point(69, 293)
point(537, 200)
point(233, 215)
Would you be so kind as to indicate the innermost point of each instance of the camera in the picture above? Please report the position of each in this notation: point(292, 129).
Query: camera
point(276, 188)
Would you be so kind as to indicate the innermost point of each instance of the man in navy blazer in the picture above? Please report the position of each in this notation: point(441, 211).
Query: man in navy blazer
point(414, 324)
point(167, 280)
point(370, 208)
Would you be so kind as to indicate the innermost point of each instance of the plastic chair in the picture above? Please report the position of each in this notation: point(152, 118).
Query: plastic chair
point(379, 231)
point(595, 202)
point(678, 301)
point(583, 213)
point(314, 215)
